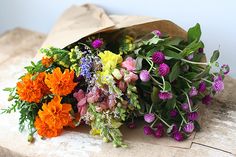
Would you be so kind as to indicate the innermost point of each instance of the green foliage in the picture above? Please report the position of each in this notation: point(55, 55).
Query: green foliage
point(215, 56)
point(194, 33)
point(175, 71)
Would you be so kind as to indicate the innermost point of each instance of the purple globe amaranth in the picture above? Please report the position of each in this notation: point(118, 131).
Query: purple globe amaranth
point(200, 50)
point(163, 95)
point(189, 127)
point(185, 107)
point(158, 57)
point(144, 76)
point(178, 136)
point(218, 85)
point(202, 87)
point(225, 69)
point(192, 116)
point(163, 69)
point(147, 130)
point(207, 100)
point(193, 92)
point(97, 43)
point(149, 117)
point(157, 32)
point(173, 113)
point(159, 132)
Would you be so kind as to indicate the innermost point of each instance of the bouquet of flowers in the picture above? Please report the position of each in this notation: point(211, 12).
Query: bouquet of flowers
point(106, 83)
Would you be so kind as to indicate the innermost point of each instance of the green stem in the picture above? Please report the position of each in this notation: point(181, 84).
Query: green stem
point(191, 62)
point(181, 115)
point(190, 108)
point(185, 79)
point(181, 125)
point(163, 121)
point(154, 123)
point(173, 47)
point(164, 84)
point(150, 110)
point(159, 83)
point(206, 80)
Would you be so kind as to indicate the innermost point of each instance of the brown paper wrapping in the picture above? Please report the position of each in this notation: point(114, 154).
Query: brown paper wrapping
point(78, 22)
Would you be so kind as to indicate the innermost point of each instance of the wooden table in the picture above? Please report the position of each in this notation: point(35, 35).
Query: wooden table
point(18, 46)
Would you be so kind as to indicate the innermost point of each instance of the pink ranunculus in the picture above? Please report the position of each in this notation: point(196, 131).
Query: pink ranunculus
point(129, 64)
point(93, 95)
point(131, 77)
point(122, 86)
point(82, 102)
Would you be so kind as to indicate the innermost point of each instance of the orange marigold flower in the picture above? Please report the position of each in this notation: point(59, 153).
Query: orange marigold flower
point(55, 114)
point(47, 61)
point(32, 89)
point(61, 83)
point(44, 130)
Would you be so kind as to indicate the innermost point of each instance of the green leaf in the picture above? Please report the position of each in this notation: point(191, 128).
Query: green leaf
point(167, 86)
point(175, 71)
point(191, 48)
point(154, 96)
point(115, 124)
point(170, 53)
point(194, 33)
point(173, 41)
point(215, 56)
point(139, 61)
point(8, 89)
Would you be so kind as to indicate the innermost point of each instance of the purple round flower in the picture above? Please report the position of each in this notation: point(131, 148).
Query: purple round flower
point(159, 130)
point(147, 130)
point(189, 127)
point(144, 76)
point(173, 113)
point(157, 32)
point(158, 57)
point(185, 107)
point(218, 85)
point(207, 100)
point(192, 116)
point(190, 57)
point(97, 43)
point(202, 87)
point(200, 50)
point(164, 69)
point(225, 68)
point(178, 136)
point(165, 95)
point(149, 117)
point(193, 92)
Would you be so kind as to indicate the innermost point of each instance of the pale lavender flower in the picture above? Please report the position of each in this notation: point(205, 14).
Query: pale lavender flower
point(144, 76)
point(189, 127)
point(149, 117)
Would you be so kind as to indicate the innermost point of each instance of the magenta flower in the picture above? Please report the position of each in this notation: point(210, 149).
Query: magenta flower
point(147, 130)
point(218, 85)
point(192, 116)
point(149, 117)
point(185, 107)
point(158, 57)
point(225, 68)
point(202, 87)
point(189, 127)
point(178, 136)
point(129, 64)
point(144, 76)
point(193, 92)
point(97, 43)
point(159, 131)
point(163, 95)
point(190, 57)
point(200, 50)
point(207, 100)
point(173, 113)
point(157, 32)
point(164, 69)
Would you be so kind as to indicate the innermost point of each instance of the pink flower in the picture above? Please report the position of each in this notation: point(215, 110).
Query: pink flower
point(93, 95)
point(131, 77)
point(82, 102)
point(122, 86)
point(129, 64)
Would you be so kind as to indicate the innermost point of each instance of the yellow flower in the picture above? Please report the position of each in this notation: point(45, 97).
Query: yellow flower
point(104, 77)
point(110, 60)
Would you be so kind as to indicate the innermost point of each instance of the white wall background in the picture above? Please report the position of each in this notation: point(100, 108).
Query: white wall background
point(217, 17)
